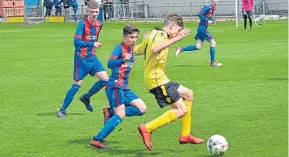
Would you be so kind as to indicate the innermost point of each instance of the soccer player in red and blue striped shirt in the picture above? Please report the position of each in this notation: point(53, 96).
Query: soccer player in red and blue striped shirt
point(85, 60)
point(124, 101)
point(206, 19)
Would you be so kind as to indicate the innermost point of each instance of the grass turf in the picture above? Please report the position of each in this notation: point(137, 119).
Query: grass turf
point(245, 100)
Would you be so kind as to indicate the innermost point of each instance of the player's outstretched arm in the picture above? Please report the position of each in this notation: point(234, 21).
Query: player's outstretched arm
point(140, 48)
point(78, 42)
point(158, 47)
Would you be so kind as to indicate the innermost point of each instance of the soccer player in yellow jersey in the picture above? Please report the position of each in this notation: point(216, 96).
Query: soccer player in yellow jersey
point(166, 92)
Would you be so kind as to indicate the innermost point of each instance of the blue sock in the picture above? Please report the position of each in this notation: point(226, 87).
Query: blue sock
point(111, 110)
point(111, 124)
point(69, 96)
point(95, 88)
point(212, 53)
point(189, 48)
point(132, 111)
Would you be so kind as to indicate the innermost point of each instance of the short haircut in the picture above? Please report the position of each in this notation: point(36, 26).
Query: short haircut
point(174, 18)
point(92, 5)
point(129, 29)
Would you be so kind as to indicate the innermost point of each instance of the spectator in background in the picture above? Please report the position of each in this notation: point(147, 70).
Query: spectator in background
point(110, 13)
point(66, 9)
point(86, 1)
point(108, 9)
point(74, 5)
point(247, 8)
point(57, 5)
point(48, 6)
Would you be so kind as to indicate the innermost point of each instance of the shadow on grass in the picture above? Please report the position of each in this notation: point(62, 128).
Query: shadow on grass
point(46, 114)
point(86, 141)
point(136, 152)
point(277, 79)
point(118, 149)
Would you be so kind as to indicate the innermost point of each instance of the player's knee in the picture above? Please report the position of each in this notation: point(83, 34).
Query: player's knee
point(78, 82)
point(213, 43)
point(120, 110)
point(199, 46)
point(189, 96)
point(143, 108)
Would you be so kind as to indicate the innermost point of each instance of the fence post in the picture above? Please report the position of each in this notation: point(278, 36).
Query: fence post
point(263, 5)
point(146, 11)
point(124, 11)
point(236, 12)
point(132, 9)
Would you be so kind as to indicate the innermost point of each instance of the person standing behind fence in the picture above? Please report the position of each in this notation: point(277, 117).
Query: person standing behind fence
point(66, 9)
point(57, 5)
point(247, 8)
point(74, 5)
point(108, 9)
point(48, 6)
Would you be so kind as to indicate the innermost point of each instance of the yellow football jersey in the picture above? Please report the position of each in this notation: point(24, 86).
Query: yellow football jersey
point(155, 63)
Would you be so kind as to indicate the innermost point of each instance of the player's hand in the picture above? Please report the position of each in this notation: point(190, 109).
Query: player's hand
point(146, 35)
point(210, 22)
point(128, 57)
point(183, 33)
point(97, 44)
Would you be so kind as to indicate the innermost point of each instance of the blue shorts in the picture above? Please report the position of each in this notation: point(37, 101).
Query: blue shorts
point(203, 34)
point(85, 66)
point(117, 96)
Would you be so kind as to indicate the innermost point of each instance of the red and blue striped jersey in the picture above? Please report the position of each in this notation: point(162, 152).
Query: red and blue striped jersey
point(85, 36)
point(120, 69)
point(205, 15)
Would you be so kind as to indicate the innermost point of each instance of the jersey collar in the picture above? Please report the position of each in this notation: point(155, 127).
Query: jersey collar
point(160, 29)
point(96, 24)
point(125, 47)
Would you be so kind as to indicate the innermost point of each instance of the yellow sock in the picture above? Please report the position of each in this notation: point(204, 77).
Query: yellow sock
point(162, 120)
point(187, 120)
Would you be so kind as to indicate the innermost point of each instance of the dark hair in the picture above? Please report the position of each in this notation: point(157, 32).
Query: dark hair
point(129, 29)
point(174, 18)
point(92, 5)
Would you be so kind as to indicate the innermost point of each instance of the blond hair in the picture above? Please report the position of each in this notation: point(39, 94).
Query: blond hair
point(174, 18)
point(93, 5)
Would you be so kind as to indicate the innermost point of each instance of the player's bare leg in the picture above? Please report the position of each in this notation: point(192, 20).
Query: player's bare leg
point(186, 136)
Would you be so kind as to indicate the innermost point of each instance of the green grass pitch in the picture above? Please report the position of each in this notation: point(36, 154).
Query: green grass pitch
point(245, 100)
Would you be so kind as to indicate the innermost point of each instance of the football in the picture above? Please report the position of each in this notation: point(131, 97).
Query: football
point(217, 145)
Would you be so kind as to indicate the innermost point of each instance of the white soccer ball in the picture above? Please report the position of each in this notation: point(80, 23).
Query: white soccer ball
point(217, 145)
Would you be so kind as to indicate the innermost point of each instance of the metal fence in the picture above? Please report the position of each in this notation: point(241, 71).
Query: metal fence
point(226, 10)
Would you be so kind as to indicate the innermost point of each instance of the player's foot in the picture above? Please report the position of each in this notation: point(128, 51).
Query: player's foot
point(98, 144)
point(190, 139)
point(216, 64)
point(106, 115)
point(178, 51)
point(86, 103)
point(146, 136)
point(250, 28)
point(61, 114)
